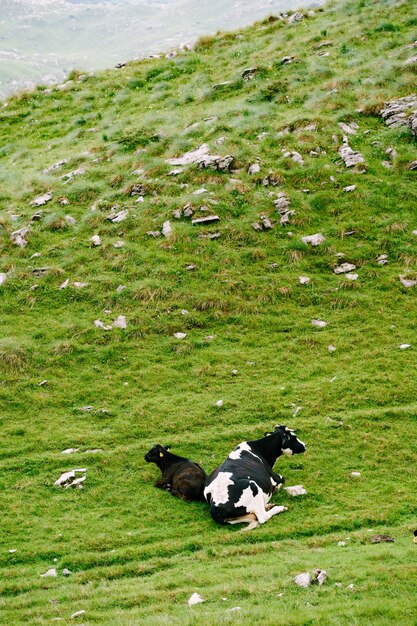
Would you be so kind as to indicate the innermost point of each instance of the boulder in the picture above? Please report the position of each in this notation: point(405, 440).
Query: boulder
point(313, 240)
point(401, 112)
point(41, 200)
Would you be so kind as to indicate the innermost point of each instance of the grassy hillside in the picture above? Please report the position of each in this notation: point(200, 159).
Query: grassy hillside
point(136, 554)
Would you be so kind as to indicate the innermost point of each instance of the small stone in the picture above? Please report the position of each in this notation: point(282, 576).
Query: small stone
point(318, 323)
point(407, 282)
point(12, 551)
point(55, 166)
point(405, 346)
point(235, 608)
point(195, 599)
point(70, 220)
point(41, 200)
point(190, 268)
point(355, 474)
point(209, 219)
point(413, 166)
point(119, 217)
point(351, 587)
point(344, 268)
point(70, 451)
point(18, 237)
point(320, 575)
point(96, 240)
point(100, 324)
point(303, 580)
point(331, 348)
point(42, 383)
point(349, 156)
point(120, 288)
point(303, 280)
point(350, 188)
point(209, 235)
point(153, 233)
point(50, 573)
point(87, 408)
point(234, 372)
point(180, 335)
point(350, 128)
point(313, 240)
point(167, 230)
point(95, 450)
point(296, 490)
point(254, 168)
point(120, 322)
point(382, 259)
point(77, 614)
point(78, 285)
point(352, 276)
point(199, 191)
point(66, 572)
point(69, 479)
point(64, 285)
point(219, 403)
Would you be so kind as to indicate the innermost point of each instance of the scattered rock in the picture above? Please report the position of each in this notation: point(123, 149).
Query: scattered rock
point(94, 451)
point(195, 599)
point(313, 240)
point(411, 60)
point(66, 572)
point(120, 322)
point(153, 233)
point(174, 172)
point(70, 175)
point(235, 608)
point(78, 285)
point(224, 83)
point(401, 112)
point(349, 156)
point(331, 348)
point(3, 278)
point(167, 230)
point(100, 324)
point(118, 217)
point(382, 539)
point(382, 259)
point(50, 573)
point(342, 544)
point(264, 224)
point(190, 268)
point(12, 551)
point(119, 244)
point(199, 191)
point(412, 166)
point(77, 614)
point(234, 372)
point(36, 217)
point(355, 474)
point(352, 276)
point(70, 451)
point(180, 335)
point(215, 162)
point(318, 323)
point(391, 152)
point(349, 128)
point(69, 479)
point(303, 580)
point(193, 156)
point(350, 188)
point(405, 346)
point(303, 280)
point(137, 189)
point(344, 268)
point(55, 166)
point(70, 220)
point(18, 237)
point(41, 200)
point(295, 17)
point(407, 282)
point(219, 403)
point(209, 235)
point(254, 168)
point(320, 575)
point(286, 60)
point(64, 285)
point(96, 240)
point(296, 490)
point(209, 219)
point(249, 73)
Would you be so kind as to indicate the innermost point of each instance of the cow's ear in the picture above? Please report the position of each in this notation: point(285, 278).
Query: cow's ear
point(167, 447)
point(161, 454)
point(267, 434)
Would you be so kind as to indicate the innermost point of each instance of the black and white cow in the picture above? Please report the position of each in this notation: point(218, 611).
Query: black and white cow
point(180, 476)
point(239, 490)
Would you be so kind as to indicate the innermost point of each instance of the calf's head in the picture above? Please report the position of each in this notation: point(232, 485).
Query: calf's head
point(290, 444)
point(156, 453)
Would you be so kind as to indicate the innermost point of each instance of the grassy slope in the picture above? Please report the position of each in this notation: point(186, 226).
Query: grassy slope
point(136, 553)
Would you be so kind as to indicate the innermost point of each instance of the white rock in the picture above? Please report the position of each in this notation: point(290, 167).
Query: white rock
point(167, 229)
point(180, 335)
point(64, 285)
point(77, 614)
point(331, 348)
point(66, 572)
point(405, 346)
point(18, 237)
point(313, 240)
point(195, 599)
point(70, 175)
point(296, 490)
point(120, 322)
point(12, 551)
point(318, 323)
point(69, 479)
point(79, 285)
point(320, 575)
point(414, 233)
point(70, 220)
point(3, 278)
point(235, 608)
point(100, 324)
point(342, 544)
point(199, 191)
point(382, 259)
point(352, 276)
point(344, 268)
point(55, 166)
point(407, 282)
point(96, 240)
point(193, 156)
point(234, 372)
point(350, 188)
point(219, 403)
point(70, 451)
point(296, 156)
point(355, 474)
point(303, 580)
point(184, 312)
point(120, 216)
point(41, 200)
point(50, 573)
point(349, 156)
point(351, 587)
point(303, 280)
point(350, 129)
point(120, 288)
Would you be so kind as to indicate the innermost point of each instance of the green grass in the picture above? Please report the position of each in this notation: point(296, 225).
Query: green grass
point(137, 554)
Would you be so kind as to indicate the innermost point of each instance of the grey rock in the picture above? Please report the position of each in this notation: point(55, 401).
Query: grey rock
point(41, 200)
point(249, 73)
point(411, 61)
point(167, 230)
point(18, 237)
point(407, 282)
point(344, 268)
point(401, 112)
point(413, 165)
point(66, 572)
point(349, 128)
point(96, 240)
point(215, 162)
point(349, 188)
point(313, 240)
point(55, 166)
point(36, 217)
point(153, 233)
point(382, 539)
point(120, 322)
point(3, 278)
point(224, 83)
point(254, 168)
point(190, 157)
point(209, 235)
point(70, 220)
point(69, 479)
point(303, 580)
point(209, 219)
point(349, 156)
point(295, 17)
point(70, 175)
point(318, 323)
point(286, 60)
point(50, 573)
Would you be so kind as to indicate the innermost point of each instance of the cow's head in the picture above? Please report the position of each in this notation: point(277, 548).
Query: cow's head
point(156, 453)
point(290, 444)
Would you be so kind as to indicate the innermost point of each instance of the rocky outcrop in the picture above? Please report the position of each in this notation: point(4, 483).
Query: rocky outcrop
point(401, 112)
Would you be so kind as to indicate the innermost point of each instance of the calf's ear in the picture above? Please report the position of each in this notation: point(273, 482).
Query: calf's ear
point(167, 447)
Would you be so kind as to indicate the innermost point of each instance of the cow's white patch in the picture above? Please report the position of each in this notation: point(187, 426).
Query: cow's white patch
point(251, 502)
point(218, 489)
point(242, 447)
point(286, 451)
